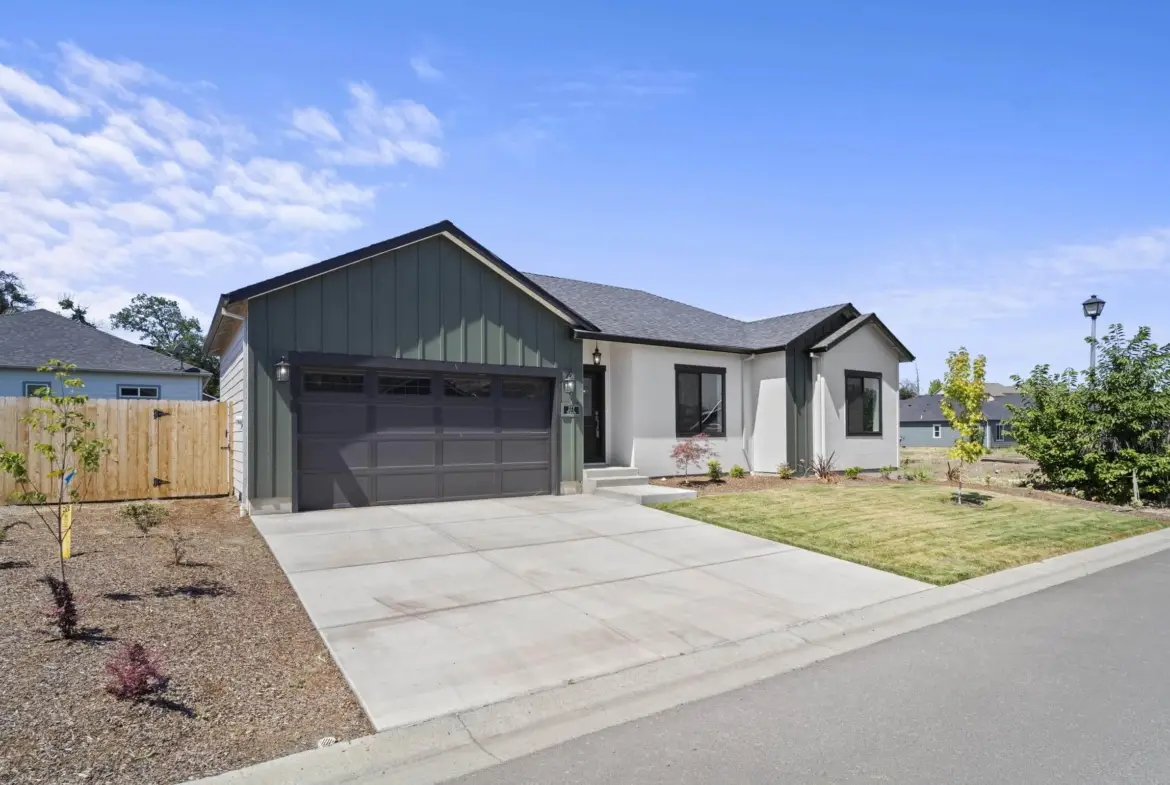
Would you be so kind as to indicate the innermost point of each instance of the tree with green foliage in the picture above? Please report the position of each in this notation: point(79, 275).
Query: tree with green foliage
point(907, 389)
point(962, 405)
point(936, 387)
point(1105, 434)
point(162, 325)
point(74, 310)
point(67, 444)
point(13, 295)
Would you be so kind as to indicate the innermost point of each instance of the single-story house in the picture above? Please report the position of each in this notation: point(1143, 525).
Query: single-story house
point(425, 367)
point(923, 423)
point(107, 365)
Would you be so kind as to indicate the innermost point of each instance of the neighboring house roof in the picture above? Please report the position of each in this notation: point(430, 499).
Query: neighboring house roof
point(29, 339)
point(856, 324)
point(992, 388)
point(595, 310)
point(925, 409)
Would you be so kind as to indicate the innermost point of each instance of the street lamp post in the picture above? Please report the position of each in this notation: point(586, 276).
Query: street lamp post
point(1093, 308)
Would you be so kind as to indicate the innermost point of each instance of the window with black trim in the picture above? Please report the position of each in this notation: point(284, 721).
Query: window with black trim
point(35, 389)
point(467, 387)
point(699, 395)
point(404, 385)
point(863, 403)
point(142, 392)
point(318, 381)
point(531, 389)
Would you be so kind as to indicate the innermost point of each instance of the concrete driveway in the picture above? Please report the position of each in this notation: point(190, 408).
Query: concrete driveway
point(435, 608)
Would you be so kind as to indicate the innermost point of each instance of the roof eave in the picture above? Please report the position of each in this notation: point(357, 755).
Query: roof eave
point(595, 335)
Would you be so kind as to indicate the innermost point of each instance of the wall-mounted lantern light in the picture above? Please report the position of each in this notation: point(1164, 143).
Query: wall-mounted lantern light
point(282, 369)
point(596, 354)
point(570, 383)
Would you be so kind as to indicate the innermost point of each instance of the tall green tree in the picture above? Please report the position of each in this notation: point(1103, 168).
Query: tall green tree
point(907, 389)
point(1105, 434)
point(162, 325)
point(74, 310)
point(936, 387)
point(962, 405)
point(13, 295)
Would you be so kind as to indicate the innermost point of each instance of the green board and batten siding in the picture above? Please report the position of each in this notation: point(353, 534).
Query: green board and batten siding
point(427, 301)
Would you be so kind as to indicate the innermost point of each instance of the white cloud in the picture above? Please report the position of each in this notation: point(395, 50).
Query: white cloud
point(378, 134)
point(315, 123)
point(114, 180)
point(23, 88)
point(424, 70)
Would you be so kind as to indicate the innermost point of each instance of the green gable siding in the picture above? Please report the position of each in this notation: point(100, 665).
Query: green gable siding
point(429, 301)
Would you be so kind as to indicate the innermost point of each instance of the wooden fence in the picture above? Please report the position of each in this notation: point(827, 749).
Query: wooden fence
point(158, 449)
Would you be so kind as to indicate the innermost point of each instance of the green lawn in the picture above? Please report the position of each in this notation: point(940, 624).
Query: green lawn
point(914, 530)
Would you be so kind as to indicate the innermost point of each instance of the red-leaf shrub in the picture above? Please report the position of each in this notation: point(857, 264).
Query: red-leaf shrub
point(691, 452)
point(133, 673)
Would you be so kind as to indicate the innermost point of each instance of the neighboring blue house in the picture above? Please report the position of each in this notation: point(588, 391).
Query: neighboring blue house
point(923, 424)
point(109, 366)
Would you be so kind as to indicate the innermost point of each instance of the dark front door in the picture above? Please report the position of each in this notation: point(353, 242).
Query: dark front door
point(382, 437)
point(594, 411)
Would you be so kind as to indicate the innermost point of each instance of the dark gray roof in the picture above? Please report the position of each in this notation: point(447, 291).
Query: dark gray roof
point(30, 338)
point(632, 313)
point(925, 408)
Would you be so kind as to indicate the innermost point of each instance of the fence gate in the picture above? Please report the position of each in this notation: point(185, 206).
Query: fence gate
point(158, 449)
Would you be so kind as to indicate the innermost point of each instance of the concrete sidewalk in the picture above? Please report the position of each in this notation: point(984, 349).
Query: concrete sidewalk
point(431, 609)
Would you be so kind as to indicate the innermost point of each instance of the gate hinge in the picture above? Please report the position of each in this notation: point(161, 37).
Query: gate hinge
point(159, 481)
point(160, 413)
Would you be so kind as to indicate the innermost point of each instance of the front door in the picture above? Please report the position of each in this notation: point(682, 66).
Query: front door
point(593, 408)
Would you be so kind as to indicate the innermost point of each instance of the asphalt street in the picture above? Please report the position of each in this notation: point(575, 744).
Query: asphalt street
point(1068, 685)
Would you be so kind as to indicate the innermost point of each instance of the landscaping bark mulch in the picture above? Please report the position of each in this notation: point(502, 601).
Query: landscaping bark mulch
point(250, 678)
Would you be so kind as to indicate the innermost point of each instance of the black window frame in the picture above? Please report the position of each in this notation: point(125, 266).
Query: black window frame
point(699, 370)
point(863, 375)
point(29, 394)
point(157, 392)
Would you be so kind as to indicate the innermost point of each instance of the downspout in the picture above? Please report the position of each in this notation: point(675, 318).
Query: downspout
point(745, 402)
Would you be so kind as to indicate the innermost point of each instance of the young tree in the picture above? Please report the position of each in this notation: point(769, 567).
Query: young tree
point(69, 447)
point(74, 310)
point(13, 296)
point(691, 452)
point(163, 326)
point(908, 389)
point(936, 387)
point(962, 405)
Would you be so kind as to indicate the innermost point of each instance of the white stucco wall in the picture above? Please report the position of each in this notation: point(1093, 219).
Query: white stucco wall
point(767, 415)
point(234, 390)
point(640, 426)
point(865, 350)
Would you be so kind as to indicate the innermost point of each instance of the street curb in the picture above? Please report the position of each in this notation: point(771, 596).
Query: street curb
point(447, 747)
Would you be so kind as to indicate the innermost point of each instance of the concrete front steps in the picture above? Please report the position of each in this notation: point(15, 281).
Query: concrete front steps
point(624, 482)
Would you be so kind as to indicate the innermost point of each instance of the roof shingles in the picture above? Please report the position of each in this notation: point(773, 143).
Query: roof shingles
point(28, 339)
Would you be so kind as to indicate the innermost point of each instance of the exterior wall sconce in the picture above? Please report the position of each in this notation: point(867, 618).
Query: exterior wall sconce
point(570, 383)
point(596, 354)
point(282, 369)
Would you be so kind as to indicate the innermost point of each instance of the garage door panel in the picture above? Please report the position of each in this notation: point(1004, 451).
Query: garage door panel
point(524, 481)
point(342, 489)
point(333, 418)
point(393, 488)
point(328, 455)
point(469, 452)
point(524, 451)
point(405, 452)
point(424, 437)
point(407, 418)
point(470, 484)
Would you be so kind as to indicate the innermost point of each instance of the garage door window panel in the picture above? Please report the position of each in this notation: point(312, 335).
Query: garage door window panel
point(322, 382)
point(404, 386)
point(467, 387)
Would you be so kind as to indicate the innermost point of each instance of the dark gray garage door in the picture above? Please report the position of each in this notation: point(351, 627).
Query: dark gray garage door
point(380, 437)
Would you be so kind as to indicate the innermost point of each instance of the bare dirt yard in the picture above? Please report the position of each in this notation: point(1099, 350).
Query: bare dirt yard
point(250, 678)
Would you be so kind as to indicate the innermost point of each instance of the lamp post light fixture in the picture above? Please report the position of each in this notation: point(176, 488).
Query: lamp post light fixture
point(596, 354)
point(1093, 308)
point(282, 369)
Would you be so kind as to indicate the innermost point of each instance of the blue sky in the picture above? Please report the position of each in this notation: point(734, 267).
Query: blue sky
point(970, 174)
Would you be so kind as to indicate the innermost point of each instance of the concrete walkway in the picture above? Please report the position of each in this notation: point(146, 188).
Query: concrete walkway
point(431, 609)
